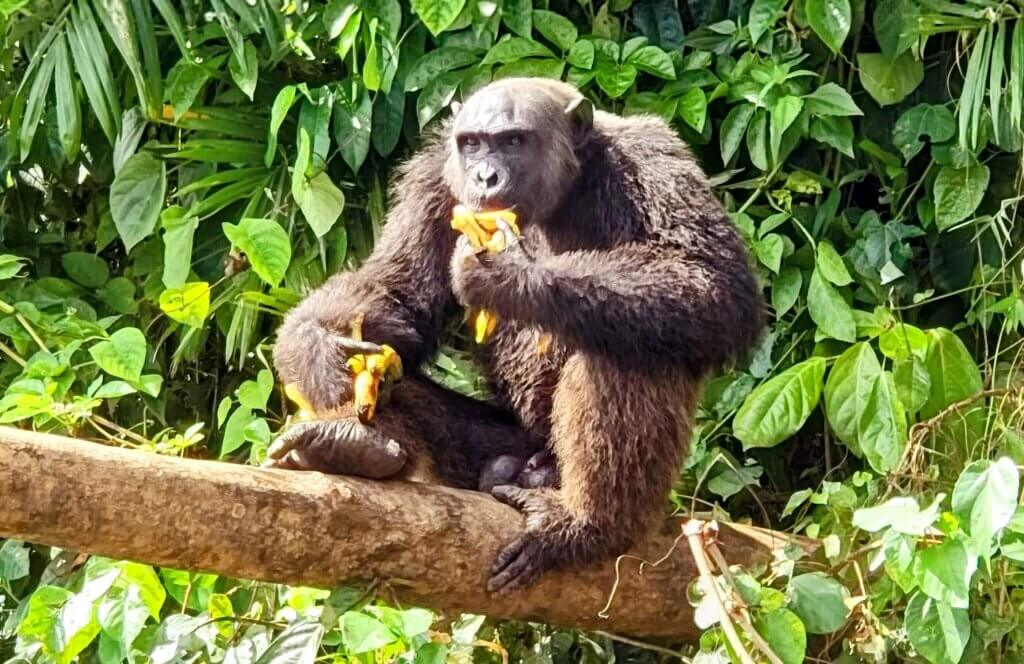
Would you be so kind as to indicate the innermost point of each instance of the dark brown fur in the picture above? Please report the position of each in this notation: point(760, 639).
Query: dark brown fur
point(628, 263)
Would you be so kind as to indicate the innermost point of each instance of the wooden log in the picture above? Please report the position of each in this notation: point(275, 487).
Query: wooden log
point(431, 545)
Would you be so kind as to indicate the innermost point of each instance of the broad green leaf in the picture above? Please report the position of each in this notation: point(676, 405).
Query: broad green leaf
point(896, 25)
point(954, 374)
point(829, 311)
point(265, 244)
point(321, 203)
point(930, 120)
point(769, 251)
point(831, 265)
point(757, 140)
point(938, 631)
point(437, 15)
point(352, 124)
point(14, 562)
point(531, 68)
point(114, 389)
point(863, 409)
point(282, 103)
point(184, 83)
point(820, 601)
point(299, 643)
point(179, 233)
point(693, 108)
point(137, 196)
point(122, 617)
point(958, 193)
point(985, 499)
point(133, 124)
point(944, 572)
point(363, 633)
point(336, 17)
point(61, 622)
point(834, 131)
point(784, 113)
point(786, 290)
point(518, 16)
point(86, 269)
point(516, 48)
point(436, 96)
point(615, 79)
point(830, 99)
point(234, 430)
point(913, 384)
point(784, 633)
point(733, 128)
point(188, 304)
point(903, 340)
point(123, 355)
point(556, 28)
point(777, 409)
point(659, 21)
point(581, 54)
point(245, 71)
point(386, 124)
point(436, 62)
point(830, 20)
point(254, 394)
point(763, 14)
point(889, 80)
point(10, 266)
point(902, 514)
point(653, 60)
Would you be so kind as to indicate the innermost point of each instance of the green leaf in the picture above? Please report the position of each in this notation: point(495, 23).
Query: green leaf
point(69, 116)
point(437, 95)
point(784, 633)
point(62, 623)
point(122, 616)
point(362, 633)
point(518, 16)
point(944, 572)
point(352, 124)
point(693, 108)
point(769, 251)
point(777, 409)
point(282, 103)
point(985, 499)
point(123, 355)
point(615, 79)
point(556, 28)
point(114, 389)
point(831, 265)
point(834, 131)
point(516, 48)
point(830, 20)
point(930, 120)
point(531, 68)
point(254, 394)
point(582, 54)
point(786, 290)
point(265, 244)
point(234, 430)
point(137, 196)
point(244, 72)
point(913, 384)
point(321, 203)
point(763, 14)
point(902, 514)
point(954, 374)
point(653, 60)
point(297, 644)
point(733, 128)
point(958, 193)
point(179, 234)
point(829, 310)
point(820, 601)
point(86, 269)
point(757, 140)
point(937, 631)
point(437, 15)
point(10, 266)
point(902, 341)
point(862, 407)
point(35, 104)
point(184, 83)
point(436, 62)
point(889, 80)
point(830, 99)
point(784, 113)
point(188, 304)
point(14, 562)
point(388, 115)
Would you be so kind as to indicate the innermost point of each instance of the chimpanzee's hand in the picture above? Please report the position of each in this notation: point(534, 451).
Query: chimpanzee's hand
point(534, 551)
point(481, 278)
point(338, 447)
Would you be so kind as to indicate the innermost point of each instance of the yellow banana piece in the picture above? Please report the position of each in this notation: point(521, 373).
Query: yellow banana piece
point(305, 412)
point(368, 371)
point(483, 229)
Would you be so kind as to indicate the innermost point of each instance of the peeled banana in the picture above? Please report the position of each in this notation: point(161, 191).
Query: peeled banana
point(368, 371)
point(484, 231)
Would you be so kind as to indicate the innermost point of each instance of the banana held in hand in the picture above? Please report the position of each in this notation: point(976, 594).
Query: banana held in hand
point(484, 231)
point(367, 372)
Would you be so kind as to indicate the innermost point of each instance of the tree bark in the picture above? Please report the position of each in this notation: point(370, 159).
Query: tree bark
point(431, 545)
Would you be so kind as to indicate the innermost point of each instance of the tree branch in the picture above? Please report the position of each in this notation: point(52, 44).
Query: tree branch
point(431, 545)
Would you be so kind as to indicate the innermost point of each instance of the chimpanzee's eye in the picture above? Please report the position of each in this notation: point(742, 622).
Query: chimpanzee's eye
point(469, 142)
point(515, 140)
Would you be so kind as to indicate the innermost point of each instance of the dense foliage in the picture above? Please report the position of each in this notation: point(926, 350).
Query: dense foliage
point(175, 175)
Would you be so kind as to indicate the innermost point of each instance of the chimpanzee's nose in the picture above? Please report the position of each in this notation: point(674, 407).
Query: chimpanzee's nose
point(486, 176)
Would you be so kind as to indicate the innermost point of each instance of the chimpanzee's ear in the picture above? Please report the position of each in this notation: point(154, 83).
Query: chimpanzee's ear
point(580, 112)
point(456, 107)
